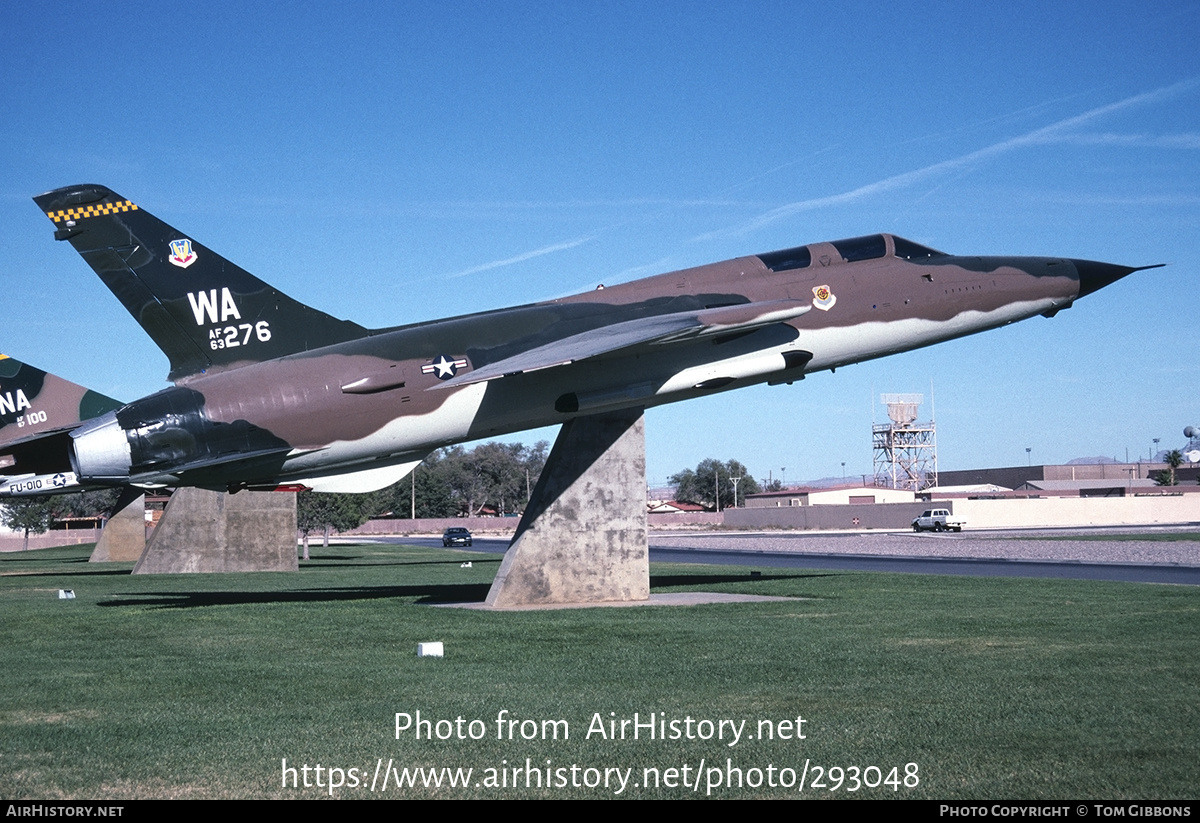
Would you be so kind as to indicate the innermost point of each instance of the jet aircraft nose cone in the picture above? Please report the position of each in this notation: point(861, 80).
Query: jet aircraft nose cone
point(1094, 276)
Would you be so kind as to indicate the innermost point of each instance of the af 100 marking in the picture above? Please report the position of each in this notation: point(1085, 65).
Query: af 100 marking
point(32, 419)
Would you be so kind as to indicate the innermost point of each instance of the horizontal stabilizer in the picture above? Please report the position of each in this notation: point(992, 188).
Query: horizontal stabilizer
point(658, 330)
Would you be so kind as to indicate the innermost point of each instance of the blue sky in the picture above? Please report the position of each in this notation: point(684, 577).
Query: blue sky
point(398, 162)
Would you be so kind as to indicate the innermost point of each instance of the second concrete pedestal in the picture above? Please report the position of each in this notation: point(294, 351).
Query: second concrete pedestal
point(583, 536)
point(203, 531)
point(123, 537)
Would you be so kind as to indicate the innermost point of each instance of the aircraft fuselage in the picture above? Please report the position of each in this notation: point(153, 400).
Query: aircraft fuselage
point(272, 393)
point(307, 402)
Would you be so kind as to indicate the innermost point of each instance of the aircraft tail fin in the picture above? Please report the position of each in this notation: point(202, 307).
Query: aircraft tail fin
point(34, 402)
point(204, 312)
point(37, 412)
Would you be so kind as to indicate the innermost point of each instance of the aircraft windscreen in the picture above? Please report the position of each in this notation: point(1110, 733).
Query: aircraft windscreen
point(908, 250)
point(787, 259)
point(870, 247)
point(861, 248)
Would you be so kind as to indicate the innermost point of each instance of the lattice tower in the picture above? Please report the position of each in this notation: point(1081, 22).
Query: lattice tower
point(905, 451)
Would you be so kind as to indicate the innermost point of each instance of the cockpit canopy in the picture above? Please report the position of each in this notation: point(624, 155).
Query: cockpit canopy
point(869, 247)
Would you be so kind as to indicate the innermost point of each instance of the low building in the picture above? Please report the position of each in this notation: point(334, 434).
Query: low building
point(835, 496)
point(672, 507)
point(1014, 477)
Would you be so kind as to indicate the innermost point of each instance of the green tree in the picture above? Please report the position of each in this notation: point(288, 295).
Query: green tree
point(497, 474)
point(469, 487)
point(454, 481)
point(336, 512)
point(427, 484)
point(1173, 459)
point(99, 503)
point(711, 483)
point(30, 515)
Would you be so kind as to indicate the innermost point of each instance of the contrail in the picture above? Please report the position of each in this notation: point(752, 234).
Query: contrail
point(1046, 134)
point(529, 255)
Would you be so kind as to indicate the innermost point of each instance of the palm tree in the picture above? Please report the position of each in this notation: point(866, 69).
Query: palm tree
point(1174, 459)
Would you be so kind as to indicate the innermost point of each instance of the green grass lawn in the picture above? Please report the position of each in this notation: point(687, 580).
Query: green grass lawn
point(202, 685)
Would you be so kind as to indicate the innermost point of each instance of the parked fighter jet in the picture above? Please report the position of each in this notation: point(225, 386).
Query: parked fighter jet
point(270, 393)
point(38, 411)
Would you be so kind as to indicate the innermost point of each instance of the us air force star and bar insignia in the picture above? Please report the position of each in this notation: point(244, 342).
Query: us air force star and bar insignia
point(443, 367)
point(823, 298)
point(181, 253)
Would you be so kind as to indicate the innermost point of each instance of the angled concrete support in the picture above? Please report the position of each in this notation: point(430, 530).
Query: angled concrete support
point(203, 531)
point(583, 536)
point(124, 535)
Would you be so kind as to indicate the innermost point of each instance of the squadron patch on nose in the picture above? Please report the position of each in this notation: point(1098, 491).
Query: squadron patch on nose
point(823, 298)
point(444, 367)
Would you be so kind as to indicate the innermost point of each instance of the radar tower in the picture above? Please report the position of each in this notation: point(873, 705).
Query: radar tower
point(905, 451)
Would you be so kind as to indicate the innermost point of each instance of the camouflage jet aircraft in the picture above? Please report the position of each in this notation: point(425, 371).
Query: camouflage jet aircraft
point(272, 394)
point(38, 411)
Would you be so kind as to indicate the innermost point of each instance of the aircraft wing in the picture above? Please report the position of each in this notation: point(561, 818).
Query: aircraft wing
point(658, 330)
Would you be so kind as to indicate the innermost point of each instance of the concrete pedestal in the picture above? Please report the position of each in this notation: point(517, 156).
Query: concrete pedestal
point(203, 531)
point(124, 535)
point(583, 536)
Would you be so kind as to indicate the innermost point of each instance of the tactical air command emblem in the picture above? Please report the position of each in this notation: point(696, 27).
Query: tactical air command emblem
point(444, 367)
point(182, 254)
point(823, 298)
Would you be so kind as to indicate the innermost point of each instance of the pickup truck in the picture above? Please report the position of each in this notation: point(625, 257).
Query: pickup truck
point(937, 520)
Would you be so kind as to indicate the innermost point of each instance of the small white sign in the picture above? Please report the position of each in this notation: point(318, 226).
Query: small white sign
point(434, 649)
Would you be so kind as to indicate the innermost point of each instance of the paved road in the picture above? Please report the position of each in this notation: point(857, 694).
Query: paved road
point(1125, 572)
point(1059, 553)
